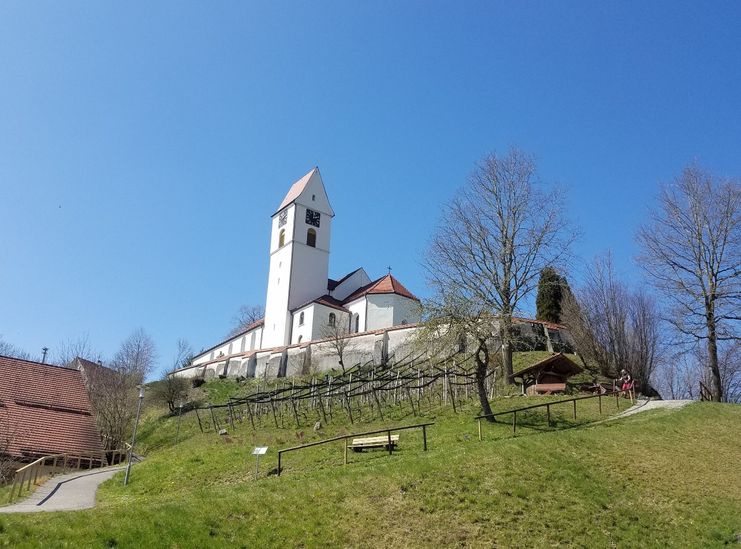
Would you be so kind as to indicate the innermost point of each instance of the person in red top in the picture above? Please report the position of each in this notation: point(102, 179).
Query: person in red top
point(625, 380)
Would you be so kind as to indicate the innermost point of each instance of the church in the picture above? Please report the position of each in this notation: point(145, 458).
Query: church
point(305, 309)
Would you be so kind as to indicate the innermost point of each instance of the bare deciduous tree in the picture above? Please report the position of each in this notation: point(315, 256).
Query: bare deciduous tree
point(494, 239)
point(68, 350)
point(691, 250)
point(172, 389)
point(613, 327)
point(337, 333)
point(113, 390)
point(246, 315)
point(8, 349)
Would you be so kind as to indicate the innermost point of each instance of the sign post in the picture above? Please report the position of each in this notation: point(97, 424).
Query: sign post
point(257, 452)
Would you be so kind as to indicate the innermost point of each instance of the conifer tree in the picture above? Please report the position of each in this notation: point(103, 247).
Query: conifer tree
point(551, 289)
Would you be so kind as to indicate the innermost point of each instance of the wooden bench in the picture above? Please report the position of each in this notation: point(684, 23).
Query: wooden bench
point(549, 388)
point(359, 444)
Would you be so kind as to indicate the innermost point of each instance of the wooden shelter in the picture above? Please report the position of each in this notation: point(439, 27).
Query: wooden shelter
point(547, 376)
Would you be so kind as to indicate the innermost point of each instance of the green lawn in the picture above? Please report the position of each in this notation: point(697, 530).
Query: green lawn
point(651, 480)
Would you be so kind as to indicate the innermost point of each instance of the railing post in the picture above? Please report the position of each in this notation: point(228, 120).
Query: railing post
point(23, 479)
point(391, 449)
point(479, 429)
point(29, 480)
point(514, 422)
point(599, 397)
point(15, 482)
point(279, 454)
point(424, 436)
point(574, 408)
point(548, 410)
point(345, 443)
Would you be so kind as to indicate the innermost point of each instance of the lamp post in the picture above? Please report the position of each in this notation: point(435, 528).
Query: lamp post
point(180, 414)
point(133, 438)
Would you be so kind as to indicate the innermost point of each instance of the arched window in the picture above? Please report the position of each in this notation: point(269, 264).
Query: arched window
point(282, 238)
point(356, 323)
point(300, 338)
point(301, 319)
point(332, 319)
point(311, 238)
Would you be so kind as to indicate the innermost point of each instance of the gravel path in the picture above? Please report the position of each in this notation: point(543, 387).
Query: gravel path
point(68, 492)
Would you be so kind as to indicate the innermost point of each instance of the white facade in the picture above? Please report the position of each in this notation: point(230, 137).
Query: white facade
point(301, 299)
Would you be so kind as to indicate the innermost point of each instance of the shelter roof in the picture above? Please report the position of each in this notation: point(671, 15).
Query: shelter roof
point(557, 363)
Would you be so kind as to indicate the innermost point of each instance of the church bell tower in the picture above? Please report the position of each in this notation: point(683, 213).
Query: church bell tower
point(299, 255)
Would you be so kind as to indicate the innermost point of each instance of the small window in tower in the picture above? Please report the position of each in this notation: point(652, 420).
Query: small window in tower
point(313, 197)
point(311, 238)
point(301, 319)
point(282, 238)
point(332, 319)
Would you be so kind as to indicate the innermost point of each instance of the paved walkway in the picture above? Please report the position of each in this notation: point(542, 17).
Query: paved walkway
point(646, 405)
point(68, 492)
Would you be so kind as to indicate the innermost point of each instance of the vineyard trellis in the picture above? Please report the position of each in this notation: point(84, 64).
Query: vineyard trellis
point(414, 381)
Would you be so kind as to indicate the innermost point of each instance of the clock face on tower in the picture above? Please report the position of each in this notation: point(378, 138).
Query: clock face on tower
point(282, 218)
point(312, 218)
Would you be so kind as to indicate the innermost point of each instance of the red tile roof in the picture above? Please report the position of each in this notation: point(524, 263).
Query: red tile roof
point(384, 285)
point(45, 409)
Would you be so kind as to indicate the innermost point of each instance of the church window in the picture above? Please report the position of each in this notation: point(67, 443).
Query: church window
point(356, 323)
point(311, 238)
point(301, 319)
point(313, 197)
point(282, 238)
point(300, 338)
point(332, 319)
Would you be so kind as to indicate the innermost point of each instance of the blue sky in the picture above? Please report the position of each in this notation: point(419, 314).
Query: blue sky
point(143, 146)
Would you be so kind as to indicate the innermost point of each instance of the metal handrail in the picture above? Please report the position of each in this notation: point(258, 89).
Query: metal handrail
point(548, 405)
point(423, 426)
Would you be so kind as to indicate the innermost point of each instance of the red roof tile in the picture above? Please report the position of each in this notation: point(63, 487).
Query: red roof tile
point(45, 409)
point(384, 285)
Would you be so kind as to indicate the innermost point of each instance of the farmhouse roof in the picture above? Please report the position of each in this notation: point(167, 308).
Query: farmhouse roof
point(46, 410)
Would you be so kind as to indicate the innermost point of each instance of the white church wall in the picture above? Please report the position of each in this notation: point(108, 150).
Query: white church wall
point(309, 277)
point(358, 279)
point(358, 307)
point(303, 331)
point(406, 311)
point(276, 301)
point(321, 321)
point(380, 311)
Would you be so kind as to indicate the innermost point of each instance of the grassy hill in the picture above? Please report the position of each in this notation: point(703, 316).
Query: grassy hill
point(653, 479)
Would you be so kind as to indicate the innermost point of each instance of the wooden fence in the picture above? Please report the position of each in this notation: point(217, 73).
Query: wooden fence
point(345, 438)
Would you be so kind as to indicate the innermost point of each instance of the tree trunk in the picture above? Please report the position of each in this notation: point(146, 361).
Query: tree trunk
point(505, 333)
point(482, 365)
point(717, 387)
